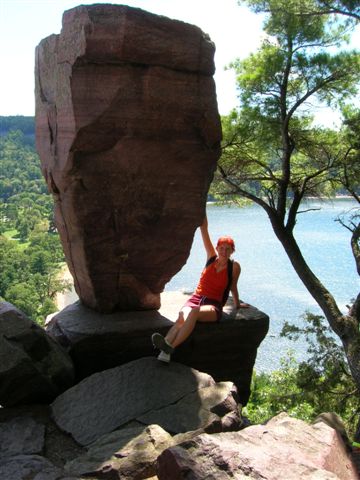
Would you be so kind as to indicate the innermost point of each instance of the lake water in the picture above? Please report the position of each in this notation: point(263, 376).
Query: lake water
point(268, 280)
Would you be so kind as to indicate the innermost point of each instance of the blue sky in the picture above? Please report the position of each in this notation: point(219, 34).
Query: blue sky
point(235, 31)
point(24, 23)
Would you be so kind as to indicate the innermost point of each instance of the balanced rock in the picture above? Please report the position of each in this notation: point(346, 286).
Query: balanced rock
point(176, 397)
point(284, 448)
point(128, 133)
point(33, 366)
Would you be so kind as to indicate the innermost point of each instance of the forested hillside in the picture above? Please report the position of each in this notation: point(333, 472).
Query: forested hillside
point(30, 251)
point(26, 125)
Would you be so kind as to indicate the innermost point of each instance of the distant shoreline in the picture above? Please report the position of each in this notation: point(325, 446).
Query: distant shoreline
point(321, 198)
point(60, 299)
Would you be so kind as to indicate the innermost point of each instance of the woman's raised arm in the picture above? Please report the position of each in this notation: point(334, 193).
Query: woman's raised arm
point(209, 247)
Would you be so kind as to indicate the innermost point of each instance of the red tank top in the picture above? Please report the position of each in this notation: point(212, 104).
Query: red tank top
point(212, 284)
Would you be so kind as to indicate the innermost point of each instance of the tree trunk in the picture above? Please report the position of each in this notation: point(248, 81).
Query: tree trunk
point(355, 247)
point(345, 327)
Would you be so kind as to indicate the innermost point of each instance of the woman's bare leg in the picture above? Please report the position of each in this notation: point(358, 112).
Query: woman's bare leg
point(183, 314)
point(206, 313)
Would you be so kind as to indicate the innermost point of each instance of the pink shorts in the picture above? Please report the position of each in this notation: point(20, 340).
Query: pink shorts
point(197, 300)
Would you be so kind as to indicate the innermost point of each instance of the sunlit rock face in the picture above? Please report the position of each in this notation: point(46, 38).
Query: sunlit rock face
point(128, 133)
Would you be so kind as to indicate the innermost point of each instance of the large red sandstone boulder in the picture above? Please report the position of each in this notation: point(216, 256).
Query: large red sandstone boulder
point(128, 134)
point(283, 449)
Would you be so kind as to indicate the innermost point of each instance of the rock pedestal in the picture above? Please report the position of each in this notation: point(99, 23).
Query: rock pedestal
point(225, 350)
point(128, 133)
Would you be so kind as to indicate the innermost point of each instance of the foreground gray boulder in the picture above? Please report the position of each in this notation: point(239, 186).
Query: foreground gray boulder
point(176, 397)
point(284, 448)
point(33, 367)
point(24, 467)
point(33, 447)
point(21, 436)
point(225, 350)
point(128, 133)
point(129, 454)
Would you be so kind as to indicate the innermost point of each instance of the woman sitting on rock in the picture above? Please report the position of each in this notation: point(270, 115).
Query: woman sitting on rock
point(219, 276)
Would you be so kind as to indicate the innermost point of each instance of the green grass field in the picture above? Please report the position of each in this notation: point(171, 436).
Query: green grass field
point(12, 235)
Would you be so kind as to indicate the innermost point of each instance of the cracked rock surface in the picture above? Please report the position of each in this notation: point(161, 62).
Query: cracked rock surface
point(176, 397)
point(128, 134)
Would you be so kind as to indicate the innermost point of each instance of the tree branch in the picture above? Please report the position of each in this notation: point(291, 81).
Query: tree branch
point(243, 192)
